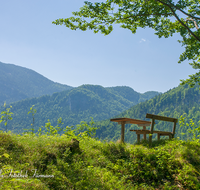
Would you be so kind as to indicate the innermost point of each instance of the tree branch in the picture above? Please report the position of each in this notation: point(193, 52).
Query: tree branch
point(173, 12)
point(167, 14)
point(134, 16)
point(183, 11)
point(194, 22)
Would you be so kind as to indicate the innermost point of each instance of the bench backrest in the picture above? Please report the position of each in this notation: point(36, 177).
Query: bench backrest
point(162, 118)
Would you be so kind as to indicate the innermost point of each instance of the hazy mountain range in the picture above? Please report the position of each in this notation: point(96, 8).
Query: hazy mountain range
point(54, 100)
point(18, 83)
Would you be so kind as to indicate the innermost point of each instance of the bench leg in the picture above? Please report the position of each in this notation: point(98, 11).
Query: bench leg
point(170, 136)
point(145, 136)
point(150, 139)
point(138, 138)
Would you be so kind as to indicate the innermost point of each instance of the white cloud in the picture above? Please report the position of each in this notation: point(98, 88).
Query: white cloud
point(142, 40)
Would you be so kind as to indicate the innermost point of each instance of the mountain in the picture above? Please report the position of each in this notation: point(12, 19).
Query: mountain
point(75, 105)
point(131, 95)
point(19, 83)
point(173, 103)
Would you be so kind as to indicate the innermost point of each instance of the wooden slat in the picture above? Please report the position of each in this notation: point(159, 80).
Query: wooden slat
point(148, 131)
point(143, 132)
point(130, 120)
point(163, 132)
point(162, 118)
point(144, 124)
point(126, 122)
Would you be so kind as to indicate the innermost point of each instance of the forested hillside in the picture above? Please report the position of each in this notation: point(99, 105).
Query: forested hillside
point(75, 105)
point(131, 95)
point(19, 83)
point(173, 103)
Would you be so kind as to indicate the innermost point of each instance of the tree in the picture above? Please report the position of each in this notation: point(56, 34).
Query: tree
point(33, 112)
point(5, 116)
point(166, 17)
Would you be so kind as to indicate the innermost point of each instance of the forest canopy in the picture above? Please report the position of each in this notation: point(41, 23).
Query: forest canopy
point(166, 17)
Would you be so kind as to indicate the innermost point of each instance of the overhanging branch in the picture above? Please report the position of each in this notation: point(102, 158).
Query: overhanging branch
point(194, 22)
point(132, 16)
point(183, 24)
point(183, 11)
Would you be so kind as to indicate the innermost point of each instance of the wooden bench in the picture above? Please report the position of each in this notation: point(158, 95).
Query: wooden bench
point(143, 131)
point(159, 133)
point(123, 121)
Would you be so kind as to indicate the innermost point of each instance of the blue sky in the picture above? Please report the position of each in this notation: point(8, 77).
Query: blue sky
point(142, 60)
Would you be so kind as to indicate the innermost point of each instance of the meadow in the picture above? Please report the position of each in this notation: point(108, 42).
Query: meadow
point(78, 160)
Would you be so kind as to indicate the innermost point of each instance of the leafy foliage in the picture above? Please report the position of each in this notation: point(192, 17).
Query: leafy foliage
point(166, 17)
point(33, 112)
point(190, 127)
point(47, 162)
point(6, 115)
point(86, 129)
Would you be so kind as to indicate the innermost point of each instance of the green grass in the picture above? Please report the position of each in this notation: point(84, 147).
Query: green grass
point(168, 164)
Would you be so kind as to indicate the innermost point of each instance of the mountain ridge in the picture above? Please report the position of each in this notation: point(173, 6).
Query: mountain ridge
point(73, 106)
point(19, 83)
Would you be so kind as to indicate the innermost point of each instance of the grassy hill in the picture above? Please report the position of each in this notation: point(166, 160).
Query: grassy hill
point(60, 162)
point(75, 105)
point(18, 83)
point(173, 103)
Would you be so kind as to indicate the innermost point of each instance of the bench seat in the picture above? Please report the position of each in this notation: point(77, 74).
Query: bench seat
point(144, 132)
